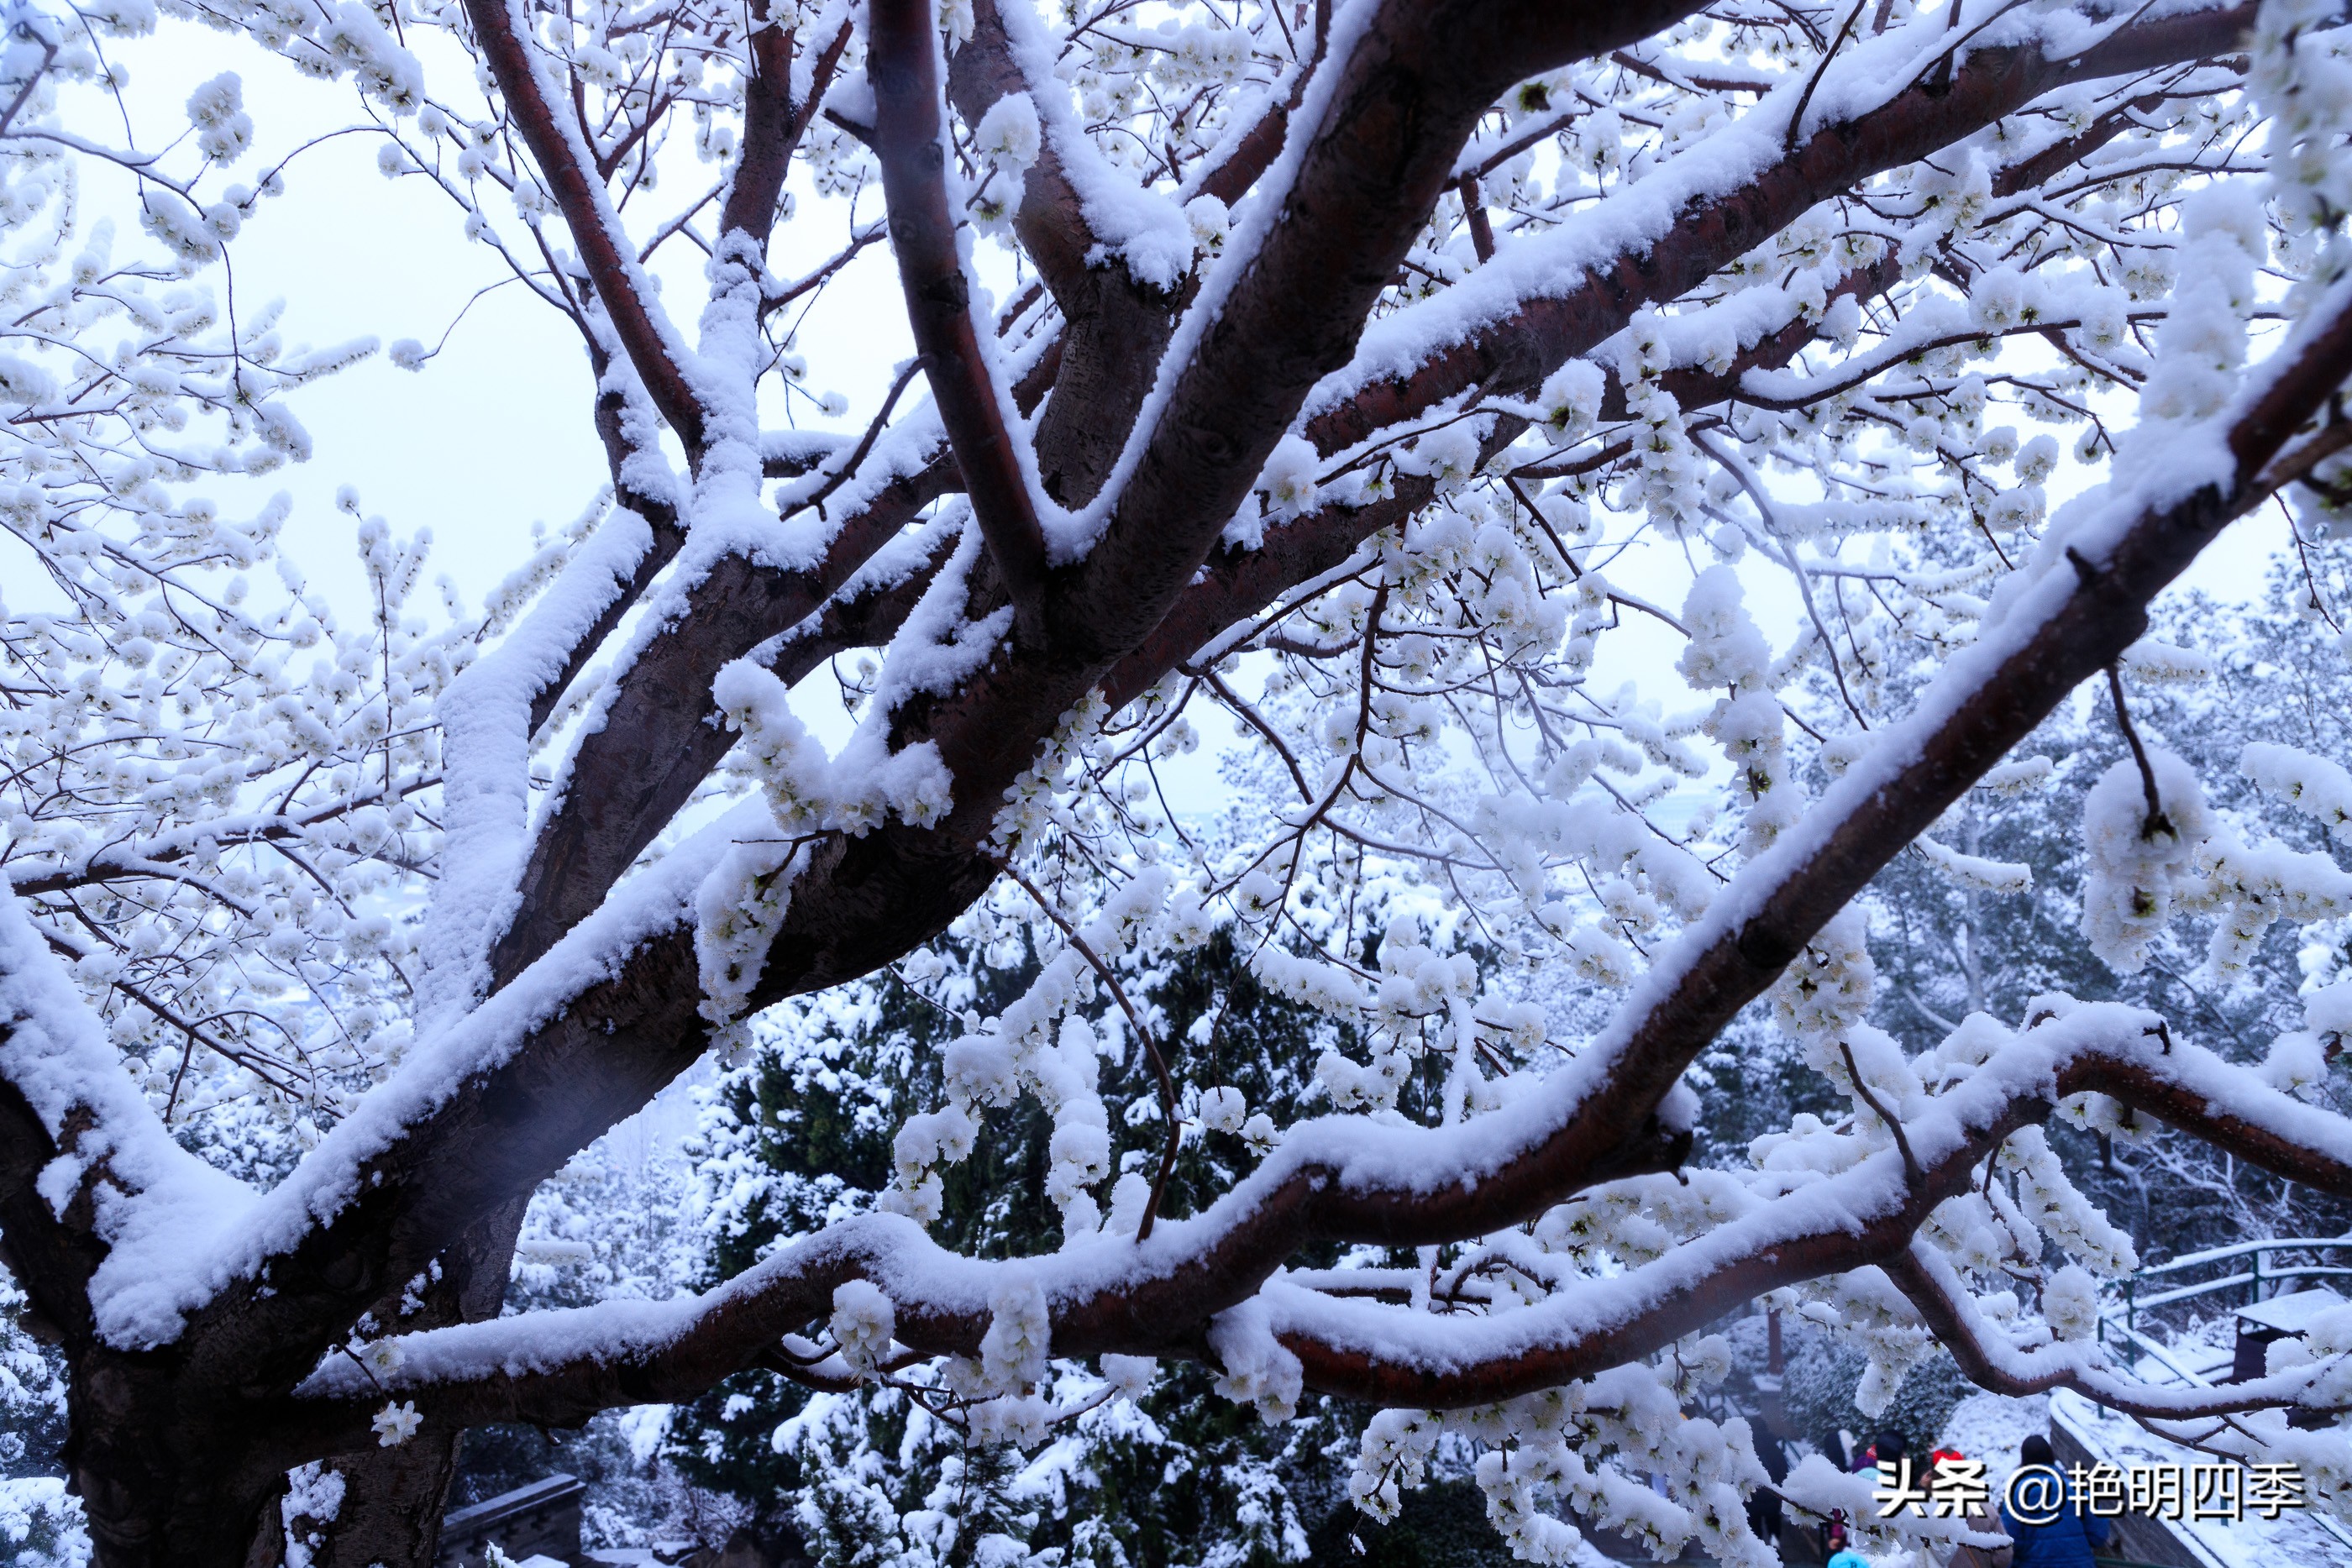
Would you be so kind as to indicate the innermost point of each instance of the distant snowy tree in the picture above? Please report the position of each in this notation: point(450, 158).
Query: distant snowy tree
point(1145, 1462)
point(32, 1395)
point(1819, 1387)
point(1599, 459)
point(1947, 946)
point(40, 1525)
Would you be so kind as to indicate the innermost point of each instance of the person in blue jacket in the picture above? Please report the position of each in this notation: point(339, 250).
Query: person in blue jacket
point(2068, 1539)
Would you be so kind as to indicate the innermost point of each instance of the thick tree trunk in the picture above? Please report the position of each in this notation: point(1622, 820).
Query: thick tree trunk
point(172, 1479)
point(391, 1504)
point(393, 1497)
point(161, 1484)
point(268, 1547)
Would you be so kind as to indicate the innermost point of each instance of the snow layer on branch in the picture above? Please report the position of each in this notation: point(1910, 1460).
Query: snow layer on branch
point(937, 647)
point(155, 1200)
point(1140, 227)
point(927, 1285)
point(1633, 216)
point(486, 718)
point(2318, 788)
point(148, 1283)
point(2020, 1066)
point(2162, 663)
point(2012, 777)
point(870, 1245)
point(2006, 877)
point(902, 451)
point(2202, 340)
point(800, 447)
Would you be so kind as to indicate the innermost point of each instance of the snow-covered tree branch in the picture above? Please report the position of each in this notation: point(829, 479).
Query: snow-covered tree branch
point(1560, 445)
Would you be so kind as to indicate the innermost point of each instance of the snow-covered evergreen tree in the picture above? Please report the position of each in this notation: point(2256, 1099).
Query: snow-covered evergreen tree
point(32, 1394)
point(910, 1471)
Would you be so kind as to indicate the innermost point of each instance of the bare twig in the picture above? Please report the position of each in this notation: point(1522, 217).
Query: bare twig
point(2155, 821)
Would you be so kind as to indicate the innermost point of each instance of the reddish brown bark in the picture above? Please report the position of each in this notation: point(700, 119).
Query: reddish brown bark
point(179, 1449)
point(634, 318)
point(1168, 1315)
point(908, 136)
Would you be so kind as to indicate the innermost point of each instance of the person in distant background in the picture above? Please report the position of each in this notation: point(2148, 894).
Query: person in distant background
point(1888, 1450)
point(1979, 1520)
point(1764, 1506)
point(2067, 1540)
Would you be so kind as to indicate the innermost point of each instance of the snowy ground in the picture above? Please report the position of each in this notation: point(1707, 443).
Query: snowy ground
point(1989, 1427)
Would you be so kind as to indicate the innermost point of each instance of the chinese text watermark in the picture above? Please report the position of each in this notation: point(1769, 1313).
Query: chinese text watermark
point(2037, 1494)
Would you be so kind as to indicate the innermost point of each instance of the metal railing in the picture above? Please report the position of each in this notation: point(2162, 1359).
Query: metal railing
point(2253, 1276)
point(2136, 1297)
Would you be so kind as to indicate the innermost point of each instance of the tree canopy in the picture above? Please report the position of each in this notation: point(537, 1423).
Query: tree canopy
point(1669, 501)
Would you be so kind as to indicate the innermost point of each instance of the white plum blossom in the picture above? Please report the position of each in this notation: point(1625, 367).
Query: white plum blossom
point(1008, 134)
point(396, 1423)
point(1223, 1110)
point(223, 130)
point(1013, 1352)
point(862, 1323)
point(2070, 1302)
point(2139, 853)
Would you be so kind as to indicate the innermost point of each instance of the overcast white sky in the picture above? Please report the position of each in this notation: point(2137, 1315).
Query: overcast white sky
point(493, 434)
